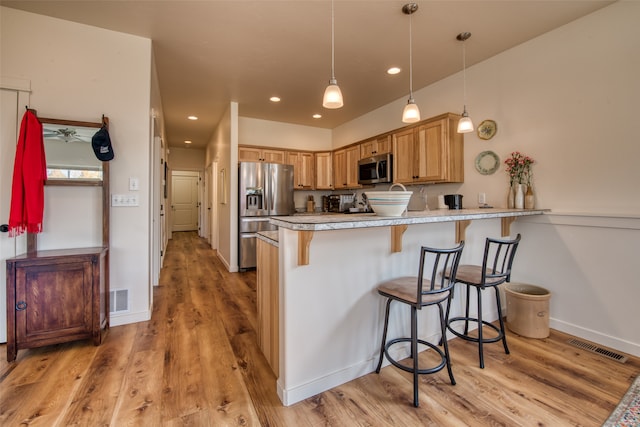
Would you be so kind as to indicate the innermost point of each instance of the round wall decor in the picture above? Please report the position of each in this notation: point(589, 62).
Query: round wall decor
point(487, 129)
point(487, 162)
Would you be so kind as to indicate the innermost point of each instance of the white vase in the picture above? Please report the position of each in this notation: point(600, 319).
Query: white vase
point(519, 197)
point(511, 197)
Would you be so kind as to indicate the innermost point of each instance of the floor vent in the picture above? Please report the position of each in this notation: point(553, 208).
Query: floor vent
point(599, 350)
point(119, 300)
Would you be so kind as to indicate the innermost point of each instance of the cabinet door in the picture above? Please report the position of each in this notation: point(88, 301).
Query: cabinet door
point(57, 301)
point(303, 176)
point(249, 154)
point(324, 171)
point(255, 154)
point(273, 156)
point(372, 147)
point(353, 155)
point(404, 157)
point(432, 151)
point(340, 169)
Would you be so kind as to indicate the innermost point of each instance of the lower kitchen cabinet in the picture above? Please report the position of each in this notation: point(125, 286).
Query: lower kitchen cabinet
point(56, 296)
point(267, 290)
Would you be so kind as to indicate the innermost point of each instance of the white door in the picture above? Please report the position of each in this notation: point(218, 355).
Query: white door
point(184, 200)
point(12, 107)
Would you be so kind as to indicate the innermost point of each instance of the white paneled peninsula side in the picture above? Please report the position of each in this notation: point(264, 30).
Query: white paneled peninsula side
point(329, 313)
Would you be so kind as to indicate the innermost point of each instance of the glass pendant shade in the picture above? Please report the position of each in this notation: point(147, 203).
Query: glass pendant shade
point(465, 125)
point(411, 113)
point(332, 95)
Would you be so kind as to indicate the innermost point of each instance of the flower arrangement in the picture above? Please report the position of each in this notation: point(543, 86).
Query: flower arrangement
point(519, 168)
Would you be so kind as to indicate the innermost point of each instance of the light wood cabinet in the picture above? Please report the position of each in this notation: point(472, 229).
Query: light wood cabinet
point(324, 171)
point(261, 154)
point(375, 146)
point(303, 170)
point(345, 168)
point(56, 296)
point(431, 152)
point(268, 302)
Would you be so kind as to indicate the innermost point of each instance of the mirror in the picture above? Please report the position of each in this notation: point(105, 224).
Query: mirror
point(67, 146)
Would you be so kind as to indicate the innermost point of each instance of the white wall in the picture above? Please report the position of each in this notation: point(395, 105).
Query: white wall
point(282, 135)
point(77, 73)
point(223, 150)
point(186, 159)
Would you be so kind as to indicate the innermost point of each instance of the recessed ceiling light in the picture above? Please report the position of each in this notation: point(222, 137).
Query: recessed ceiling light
point(393, 70)
point(317, 116)
point(192, 117)
point(187, 142)
point(274, 99)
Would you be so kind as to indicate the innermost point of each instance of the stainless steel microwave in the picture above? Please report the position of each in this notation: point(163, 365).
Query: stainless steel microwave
point(376, 169)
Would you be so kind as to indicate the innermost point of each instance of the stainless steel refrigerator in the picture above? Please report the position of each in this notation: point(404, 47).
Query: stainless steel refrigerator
point(265, 190)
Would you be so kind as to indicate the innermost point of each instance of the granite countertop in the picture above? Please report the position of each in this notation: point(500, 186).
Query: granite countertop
point(365, 220)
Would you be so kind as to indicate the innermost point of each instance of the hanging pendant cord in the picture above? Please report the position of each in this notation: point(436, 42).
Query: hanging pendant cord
point(410, 58)
point(464, 74)
point(333, 77)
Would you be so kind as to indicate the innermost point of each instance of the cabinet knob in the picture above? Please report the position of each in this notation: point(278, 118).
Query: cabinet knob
point(21, 305)
point(4, 228)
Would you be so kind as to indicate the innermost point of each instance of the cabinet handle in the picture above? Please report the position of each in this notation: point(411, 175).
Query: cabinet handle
point(21, 305)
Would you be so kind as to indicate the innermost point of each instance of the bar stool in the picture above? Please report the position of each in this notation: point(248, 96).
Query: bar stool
point(434, 288)
point(495, 269)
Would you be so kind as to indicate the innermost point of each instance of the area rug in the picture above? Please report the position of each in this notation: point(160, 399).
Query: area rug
point(627, 413)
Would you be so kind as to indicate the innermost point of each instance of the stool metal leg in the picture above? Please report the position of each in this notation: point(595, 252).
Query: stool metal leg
point(414, 354)
point(384, 335)
point(502, 330)
point(480, 328)
point(443, 340)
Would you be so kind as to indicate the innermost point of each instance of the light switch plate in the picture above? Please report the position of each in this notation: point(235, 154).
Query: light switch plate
point(125, 200)
point(134, 184)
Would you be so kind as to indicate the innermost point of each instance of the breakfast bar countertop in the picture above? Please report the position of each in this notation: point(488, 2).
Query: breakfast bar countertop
point(365, 220)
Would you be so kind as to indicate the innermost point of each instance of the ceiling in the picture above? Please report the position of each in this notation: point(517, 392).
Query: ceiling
point(209, 53)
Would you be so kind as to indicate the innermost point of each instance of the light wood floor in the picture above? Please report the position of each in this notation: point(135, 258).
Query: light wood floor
point(196, 363)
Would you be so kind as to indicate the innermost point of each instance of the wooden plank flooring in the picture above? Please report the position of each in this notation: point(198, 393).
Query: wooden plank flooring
point(197, 363)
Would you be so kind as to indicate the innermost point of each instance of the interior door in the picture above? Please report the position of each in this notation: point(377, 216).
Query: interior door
point(12, 104)
point(184, 200)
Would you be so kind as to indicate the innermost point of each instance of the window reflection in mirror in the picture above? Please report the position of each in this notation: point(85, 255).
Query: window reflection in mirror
point(68, 150)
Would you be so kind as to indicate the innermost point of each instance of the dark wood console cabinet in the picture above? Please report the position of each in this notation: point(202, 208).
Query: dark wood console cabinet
point(56, 296)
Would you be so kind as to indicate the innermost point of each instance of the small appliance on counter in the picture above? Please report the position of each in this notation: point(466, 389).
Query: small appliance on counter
point(454, 201)
point(339, 202)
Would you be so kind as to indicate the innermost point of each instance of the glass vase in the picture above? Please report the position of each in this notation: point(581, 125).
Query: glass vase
point(519, 197)
point(529, 198)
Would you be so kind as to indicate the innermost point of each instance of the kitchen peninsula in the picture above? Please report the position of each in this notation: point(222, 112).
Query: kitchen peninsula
point(329, 315)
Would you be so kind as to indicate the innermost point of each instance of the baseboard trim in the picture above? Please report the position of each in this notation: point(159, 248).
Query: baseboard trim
point(127, 318)
point(596, 337)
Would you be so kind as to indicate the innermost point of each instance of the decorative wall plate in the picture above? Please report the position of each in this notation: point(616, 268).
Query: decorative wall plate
point(487, 129)
point(487, 162)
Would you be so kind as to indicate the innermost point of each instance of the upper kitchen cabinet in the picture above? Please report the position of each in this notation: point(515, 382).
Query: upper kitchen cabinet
point(303, 169)
point(345, 167)
point(375, 146)
point(324, 171)
point(431, 152)
point(261, 154)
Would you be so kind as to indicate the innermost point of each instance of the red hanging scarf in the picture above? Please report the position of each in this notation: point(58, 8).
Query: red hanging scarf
point(29, 175)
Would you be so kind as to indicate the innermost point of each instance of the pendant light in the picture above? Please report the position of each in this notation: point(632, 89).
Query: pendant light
point(411, 113)
point(332, 94)
point(465, 125)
